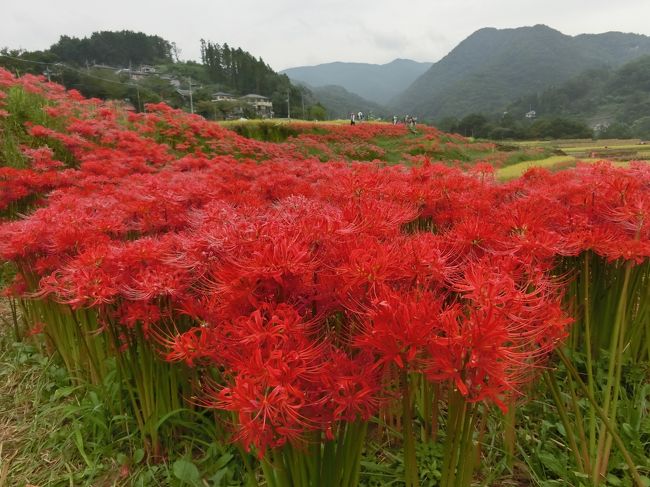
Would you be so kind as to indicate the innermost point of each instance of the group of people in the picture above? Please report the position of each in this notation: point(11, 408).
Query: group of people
point(356, 117)
point(408, 120)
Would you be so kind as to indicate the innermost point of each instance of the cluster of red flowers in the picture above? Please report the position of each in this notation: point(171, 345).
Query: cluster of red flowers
point(304, 283)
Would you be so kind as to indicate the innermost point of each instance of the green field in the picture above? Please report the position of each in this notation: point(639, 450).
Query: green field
point(568, 152)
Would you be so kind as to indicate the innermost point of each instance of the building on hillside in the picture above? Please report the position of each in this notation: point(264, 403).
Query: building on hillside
point(175, 82)
point(222, 96)
point(531, 114)
point(137, 74)
point(147, 69)
point(104, 66)
point(186, 93)
point(262, 105)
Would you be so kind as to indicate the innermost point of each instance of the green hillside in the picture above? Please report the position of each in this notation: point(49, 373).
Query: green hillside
point(614, 101)
point(491, 67)
point(143, 68)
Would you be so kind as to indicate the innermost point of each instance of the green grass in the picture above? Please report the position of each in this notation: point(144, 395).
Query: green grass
point(56, 432)
point(611, 149)
point(516, 170)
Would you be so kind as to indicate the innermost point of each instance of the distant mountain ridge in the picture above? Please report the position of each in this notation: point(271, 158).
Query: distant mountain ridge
point(339, 102)
point(492, 67)
point(378, 83)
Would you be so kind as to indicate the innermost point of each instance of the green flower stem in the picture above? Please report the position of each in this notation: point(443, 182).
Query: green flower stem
point(584, 444)
point(555, 392)
point(467, 450)
point(588, 348)
point(356, 465)
point(269, 472)
point(603, 417)
point(411, 478)
point(456, 418)
point(318, 463)
point(510, 434)
point(617, 344)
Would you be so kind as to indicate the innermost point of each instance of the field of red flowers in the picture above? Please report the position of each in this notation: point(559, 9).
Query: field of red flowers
point(328, 312)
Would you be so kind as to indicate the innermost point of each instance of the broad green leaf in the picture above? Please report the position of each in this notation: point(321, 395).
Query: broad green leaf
point(186, 471)
point(138, 455)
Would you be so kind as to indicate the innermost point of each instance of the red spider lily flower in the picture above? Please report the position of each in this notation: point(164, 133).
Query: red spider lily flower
point(275, 370)
point(399, 327)
point(497, 335)
point(351, 386)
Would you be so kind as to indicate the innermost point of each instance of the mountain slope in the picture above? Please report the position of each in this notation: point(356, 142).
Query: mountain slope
point(492, 67)
point(602, 97)
point(375, 82)
point(339, 102)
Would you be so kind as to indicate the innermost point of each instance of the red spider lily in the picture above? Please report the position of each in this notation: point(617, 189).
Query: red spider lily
point(496, 336)
point(193, 346)
point(274, 370)
point(299, 283)
point(399, 327)
point(351, 386)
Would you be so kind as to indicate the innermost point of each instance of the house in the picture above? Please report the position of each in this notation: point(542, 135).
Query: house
point(175, 82)
point(131, 73)
point(222, 96)
point(137, 74)
point(531, 114)
point(104, 66)
point(147, 69)
point(262, 105)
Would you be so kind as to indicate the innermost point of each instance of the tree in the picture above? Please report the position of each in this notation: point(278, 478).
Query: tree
point(616, 130)
point(113, 48)
point(560, 128)
point(500, 133)
point(448, 124)
point(317, 112)
point(474, 125)
point(641, 128)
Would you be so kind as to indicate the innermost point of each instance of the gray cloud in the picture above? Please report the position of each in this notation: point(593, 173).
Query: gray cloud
point(296, 32)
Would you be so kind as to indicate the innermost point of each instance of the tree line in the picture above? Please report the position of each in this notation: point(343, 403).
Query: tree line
point(78, 63)
point(120, 49)
point(507, 127)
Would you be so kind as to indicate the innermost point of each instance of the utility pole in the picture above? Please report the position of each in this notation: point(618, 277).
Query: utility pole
point(288, 104)
point(134, 84)
point(302, 97)
point(191, 101)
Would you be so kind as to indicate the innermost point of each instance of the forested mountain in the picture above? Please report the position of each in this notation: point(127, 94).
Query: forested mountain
point(612, 100)
point(490, 68)
point(374, 82)
point(339, 102)
point(240, 70)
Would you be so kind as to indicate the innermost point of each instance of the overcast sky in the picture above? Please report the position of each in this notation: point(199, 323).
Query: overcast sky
point(289, 33)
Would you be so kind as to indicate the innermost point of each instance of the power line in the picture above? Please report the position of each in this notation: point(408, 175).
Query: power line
point(83, 73)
